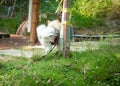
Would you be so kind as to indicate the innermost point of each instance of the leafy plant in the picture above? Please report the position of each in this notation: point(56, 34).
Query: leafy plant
point(85, 12)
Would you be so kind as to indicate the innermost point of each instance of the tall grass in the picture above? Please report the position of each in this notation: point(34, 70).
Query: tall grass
point(89, 68)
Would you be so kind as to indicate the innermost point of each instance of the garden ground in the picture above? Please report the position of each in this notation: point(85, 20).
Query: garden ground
point(99, 67)
point(18, 45)
point(91, 63)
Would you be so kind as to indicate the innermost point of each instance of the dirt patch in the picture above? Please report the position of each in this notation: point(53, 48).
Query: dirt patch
point(15, 41)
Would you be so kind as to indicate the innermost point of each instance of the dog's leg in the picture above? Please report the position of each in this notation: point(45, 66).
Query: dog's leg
point(48, 47)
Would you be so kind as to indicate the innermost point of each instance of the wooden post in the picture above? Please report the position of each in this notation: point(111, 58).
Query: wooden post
point(34, 20)
point(29, 16)
point(66, 27)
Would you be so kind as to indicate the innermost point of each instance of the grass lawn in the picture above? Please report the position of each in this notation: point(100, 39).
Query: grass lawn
point(90, 68)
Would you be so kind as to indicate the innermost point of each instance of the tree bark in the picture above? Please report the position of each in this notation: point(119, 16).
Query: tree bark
point(34, 21)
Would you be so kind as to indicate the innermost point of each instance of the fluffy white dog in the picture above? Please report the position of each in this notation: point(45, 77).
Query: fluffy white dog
point(49, 35)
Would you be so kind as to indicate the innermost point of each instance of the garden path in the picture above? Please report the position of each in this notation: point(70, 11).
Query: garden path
point(18, 45)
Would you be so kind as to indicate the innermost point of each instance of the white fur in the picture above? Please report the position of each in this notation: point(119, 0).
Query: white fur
point(39, 30)
point(47, 34)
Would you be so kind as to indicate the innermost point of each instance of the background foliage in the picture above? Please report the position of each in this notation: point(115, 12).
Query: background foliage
point(91, 13)
point(88, 14)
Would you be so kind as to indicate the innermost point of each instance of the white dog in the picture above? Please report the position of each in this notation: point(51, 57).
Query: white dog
point(48, 36)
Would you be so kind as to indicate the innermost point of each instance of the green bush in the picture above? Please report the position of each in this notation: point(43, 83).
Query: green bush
point(48, 8)
point(8, 25)
point(85, 12)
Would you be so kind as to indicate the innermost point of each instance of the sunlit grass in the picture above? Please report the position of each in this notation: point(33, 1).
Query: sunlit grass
point(90, 68)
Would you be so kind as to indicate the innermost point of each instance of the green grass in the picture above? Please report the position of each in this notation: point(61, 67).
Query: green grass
point(91, 68)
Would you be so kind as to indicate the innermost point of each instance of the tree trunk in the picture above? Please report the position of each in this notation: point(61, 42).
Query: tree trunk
point(34, 21)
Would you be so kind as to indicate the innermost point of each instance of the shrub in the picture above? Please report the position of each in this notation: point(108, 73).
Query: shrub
point(85, 12)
